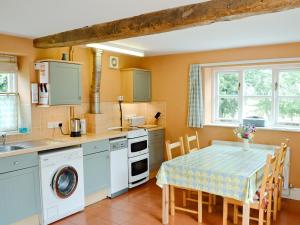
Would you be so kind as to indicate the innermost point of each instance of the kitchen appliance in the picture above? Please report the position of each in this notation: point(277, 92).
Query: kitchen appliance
point(138, 157)
point(75, 126)
point(118, 166)
point(83, 126)
point(62, 186)
point(135, 121)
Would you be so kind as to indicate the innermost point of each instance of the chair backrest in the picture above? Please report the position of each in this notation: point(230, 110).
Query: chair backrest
point(280, 163)
point(192, 142)
point(268, 177)
point(172, 146)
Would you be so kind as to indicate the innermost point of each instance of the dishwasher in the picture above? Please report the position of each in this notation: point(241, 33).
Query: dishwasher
point(118, 166)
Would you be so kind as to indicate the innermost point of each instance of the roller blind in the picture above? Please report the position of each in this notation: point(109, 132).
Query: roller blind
point(8, 64)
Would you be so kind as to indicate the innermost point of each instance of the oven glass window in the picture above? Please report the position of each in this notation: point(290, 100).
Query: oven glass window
point(138, 146)
point(139, 167)
point(65, 182)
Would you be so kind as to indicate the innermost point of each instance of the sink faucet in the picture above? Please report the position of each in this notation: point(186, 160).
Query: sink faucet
point(4, 136)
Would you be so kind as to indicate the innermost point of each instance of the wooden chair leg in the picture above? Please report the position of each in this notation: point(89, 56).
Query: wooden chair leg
point(225, 211)
point(279, 194)
point(172, 200)
point(184, 198)
point(214, 199)
point(235, 214)
point(199, 206)
point(269, 209)
point(275, 203)
point(279, 201)
point(261, 217)
point(210, 201)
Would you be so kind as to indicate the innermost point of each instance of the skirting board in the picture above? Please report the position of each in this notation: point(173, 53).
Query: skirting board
point(152, 174)
point(96, 197)
point(293, 193)
point(33, 220)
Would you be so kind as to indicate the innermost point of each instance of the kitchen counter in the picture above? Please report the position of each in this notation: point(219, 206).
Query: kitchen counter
point(155, 128)
point(59, 142)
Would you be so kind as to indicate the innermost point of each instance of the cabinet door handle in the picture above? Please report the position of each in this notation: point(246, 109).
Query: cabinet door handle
point(16, 163)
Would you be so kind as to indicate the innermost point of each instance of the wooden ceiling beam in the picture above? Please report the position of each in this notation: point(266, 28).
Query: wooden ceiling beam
point(166, 20)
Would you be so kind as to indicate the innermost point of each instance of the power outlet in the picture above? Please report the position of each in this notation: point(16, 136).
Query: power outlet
point(52, 125)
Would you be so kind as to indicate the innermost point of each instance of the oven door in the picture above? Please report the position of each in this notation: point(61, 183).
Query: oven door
point(138, 168)
point(137, 146)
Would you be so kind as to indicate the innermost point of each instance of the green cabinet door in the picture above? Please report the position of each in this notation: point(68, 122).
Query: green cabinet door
point(96, 172)
point(65, 84)
point(19, 195)
point(156, 149)
point(142, 86)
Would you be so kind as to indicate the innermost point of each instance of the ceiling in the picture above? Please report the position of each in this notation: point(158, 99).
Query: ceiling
point(265, 29)
point(36, 18)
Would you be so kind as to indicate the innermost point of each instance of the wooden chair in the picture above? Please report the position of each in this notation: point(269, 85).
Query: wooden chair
point(278, 180)
point(193, 145)
point(190, 140)
point(265, 193)
point(170, 147)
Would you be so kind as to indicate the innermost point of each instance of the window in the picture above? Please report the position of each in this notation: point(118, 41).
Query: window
point(8, 95)
point(269, 92)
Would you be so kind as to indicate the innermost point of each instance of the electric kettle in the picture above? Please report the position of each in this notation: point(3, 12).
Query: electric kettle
point(75, 127)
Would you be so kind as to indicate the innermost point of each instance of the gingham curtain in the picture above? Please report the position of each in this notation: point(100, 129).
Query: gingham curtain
point(195, 111)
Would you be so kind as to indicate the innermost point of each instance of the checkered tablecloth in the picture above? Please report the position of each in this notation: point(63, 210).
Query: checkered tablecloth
point(224, 170)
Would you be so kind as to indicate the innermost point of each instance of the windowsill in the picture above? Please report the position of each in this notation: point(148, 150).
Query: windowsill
point(270, 128)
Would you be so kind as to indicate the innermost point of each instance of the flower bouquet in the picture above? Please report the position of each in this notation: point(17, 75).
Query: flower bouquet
point(245, 133)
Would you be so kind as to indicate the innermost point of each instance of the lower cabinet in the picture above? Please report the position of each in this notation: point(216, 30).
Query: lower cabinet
point(156, 148)
point(96, 166)
point(19, 189)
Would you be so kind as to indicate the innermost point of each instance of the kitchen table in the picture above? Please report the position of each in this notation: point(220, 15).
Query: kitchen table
point(222, 169)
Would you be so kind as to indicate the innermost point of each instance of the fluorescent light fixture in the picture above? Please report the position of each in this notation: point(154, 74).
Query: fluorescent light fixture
point(117, 48)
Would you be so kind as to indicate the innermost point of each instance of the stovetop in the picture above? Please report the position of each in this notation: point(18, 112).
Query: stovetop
point(133, 132)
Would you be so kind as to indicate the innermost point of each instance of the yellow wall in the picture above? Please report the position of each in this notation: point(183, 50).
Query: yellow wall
point(110, 82)
point(170, 79)
point(170, 84)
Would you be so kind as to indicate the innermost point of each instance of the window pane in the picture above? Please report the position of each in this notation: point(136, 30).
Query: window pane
point(258, 82)
point(289, 110)
point(259, 107)
point(8, 113)
point(3, 82)
point(289, 83)
point(228, 108)
point(228, 83)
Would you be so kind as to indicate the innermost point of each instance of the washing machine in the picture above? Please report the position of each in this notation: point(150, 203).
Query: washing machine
point(62, 184)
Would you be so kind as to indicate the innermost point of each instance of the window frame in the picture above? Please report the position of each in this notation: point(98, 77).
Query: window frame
point(276, 69)
point(12, 90)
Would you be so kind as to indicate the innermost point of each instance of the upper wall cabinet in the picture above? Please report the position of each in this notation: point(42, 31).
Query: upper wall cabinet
point(63, 80)
point(136, 85)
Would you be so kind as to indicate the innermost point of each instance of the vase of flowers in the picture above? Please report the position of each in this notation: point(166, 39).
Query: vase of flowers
point(245, 133)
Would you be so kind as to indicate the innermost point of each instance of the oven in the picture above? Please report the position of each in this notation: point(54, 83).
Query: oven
point(138, 170)
point(137, 146)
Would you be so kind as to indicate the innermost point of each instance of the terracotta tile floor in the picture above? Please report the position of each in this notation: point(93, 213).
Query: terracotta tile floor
point(142, 206)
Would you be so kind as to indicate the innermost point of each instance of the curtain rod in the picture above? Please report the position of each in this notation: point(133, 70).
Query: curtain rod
point(275, 60)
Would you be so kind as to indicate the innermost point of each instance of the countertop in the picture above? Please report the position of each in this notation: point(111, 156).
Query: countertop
point(64, 141)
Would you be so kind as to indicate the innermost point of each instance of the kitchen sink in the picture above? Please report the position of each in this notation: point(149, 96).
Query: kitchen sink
point(7, 148)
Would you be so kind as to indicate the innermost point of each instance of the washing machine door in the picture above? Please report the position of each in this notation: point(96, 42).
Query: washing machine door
point(65, 181)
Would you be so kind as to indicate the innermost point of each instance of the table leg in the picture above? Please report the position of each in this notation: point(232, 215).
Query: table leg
point(172, 200)
point(199, 206)
point(165, 204)
point(246, 213)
